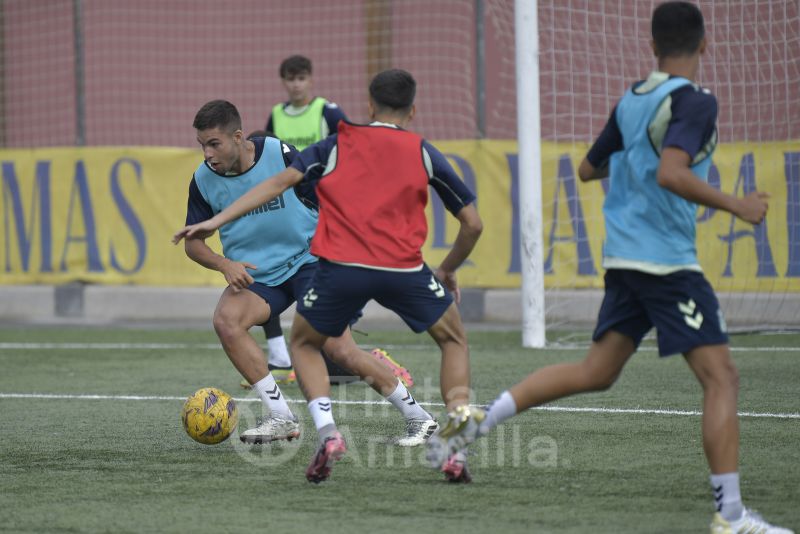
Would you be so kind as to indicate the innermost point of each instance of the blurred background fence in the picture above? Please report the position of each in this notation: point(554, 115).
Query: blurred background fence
point(116, 72)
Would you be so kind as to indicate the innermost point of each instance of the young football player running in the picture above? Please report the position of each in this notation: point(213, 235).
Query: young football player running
point(656, 149)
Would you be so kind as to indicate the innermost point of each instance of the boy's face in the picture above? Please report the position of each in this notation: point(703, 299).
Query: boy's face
point(221, 149)
point(298, 87)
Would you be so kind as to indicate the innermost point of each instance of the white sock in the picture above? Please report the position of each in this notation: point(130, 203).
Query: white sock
point(404, 401)
point(727, 496)
point(272, 397)
point(278, 352)
point(499, 410)
point(321, 412)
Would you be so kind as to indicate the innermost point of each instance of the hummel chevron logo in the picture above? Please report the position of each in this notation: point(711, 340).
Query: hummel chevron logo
point(695, 320)
point(718, 497)
point(275, 394)
point(310, 298)
point(406, 400)
point(436, 287)
point(688, 308)
point(325, 406)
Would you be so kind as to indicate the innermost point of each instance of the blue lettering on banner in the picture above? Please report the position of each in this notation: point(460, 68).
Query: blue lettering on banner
point(131, 220)
point(515, 264)
point(566, 178)
point(766, 266)
point(439, 212)
point(792, 170)
point(80, 190)
point(12, 202)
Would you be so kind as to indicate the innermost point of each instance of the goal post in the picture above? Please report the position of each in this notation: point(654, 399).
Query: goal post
point(530, 173)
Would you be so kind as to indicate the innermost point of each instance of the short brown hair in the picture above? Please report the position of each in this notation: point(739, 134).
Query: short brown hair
point(218, 114)
point(294, 65)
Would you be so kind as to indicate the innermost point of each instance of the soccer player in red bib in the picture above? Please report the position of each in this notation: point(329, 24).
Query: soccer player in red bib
point(372, 183)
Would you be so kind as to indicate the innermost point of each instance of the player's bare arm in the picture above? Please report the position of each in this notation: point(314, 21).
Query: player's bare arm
point(595, 165)
point(235, 272)
point(587, 171)
point(675, 175)
point(468, 234)
point(257, 196)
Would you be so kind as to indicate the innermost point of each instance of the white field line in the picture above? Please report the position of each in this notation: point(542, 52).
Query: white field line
point(108, 346)
point(568, 409)
point(216, 346)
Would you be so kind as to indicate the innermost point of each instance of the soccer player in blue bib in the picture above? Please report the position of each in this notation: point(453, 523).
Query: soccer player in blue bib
point(372, 182)
point(267, 262)
point(656, 150)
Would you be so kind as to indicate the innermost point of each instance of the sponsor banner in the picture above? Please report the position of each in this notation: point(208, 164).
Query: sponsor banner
point(98, 215)
point(735, 256)
point(106, 215)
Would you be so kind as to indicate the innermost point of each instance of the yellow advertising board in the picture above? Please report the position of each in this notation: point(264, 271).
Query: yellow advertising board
point(106, 215)
point(98, 215)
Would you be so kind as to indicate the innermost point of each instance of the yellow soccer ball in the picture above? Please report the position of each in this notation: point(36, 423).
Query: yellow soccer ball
point(209, 416)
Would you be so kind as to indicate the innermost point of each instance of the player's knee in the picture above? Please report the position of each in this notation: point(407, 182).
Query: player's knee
point(225, 325)
point(449, 334)
point(603, 383)
point(454, 346)
point(727, 376)
point(598, 379)
point(449, 329)
point(457, 338)
point(222, 326)
point(300, 341)
point(339, 355)
point(297, 343)
point(719, 374)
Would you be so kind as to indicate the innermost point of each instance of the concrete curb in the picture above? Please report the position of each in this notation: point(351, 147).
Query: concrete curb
point(79, 303)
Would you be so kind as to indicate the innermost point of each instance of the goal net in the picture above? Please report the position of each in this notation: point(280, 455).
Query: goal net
point(589, 53)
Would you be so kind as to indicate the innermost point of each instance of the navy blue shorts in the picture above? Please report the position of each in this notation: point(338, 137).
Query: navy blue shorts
point(338, 291)
point(682, 307)
point(283, 295)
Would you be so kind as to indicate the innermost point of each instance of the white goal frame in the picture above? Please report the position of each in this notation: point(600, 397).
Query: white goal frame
point(530, 173)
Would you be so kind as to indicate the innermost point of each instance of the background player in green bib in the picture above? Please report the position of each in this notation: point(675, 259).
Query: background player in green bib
point(304, 119)
point(301, 121)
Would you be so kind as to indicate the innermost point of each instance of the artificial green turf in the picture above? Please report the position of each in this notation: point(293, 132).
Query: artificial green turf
point(96, 465)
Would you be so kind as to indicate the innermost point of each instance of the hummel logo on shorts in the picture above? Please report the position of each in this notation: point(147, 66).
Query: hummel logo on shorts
point(695, 320)
point(436, 287)
point(310, 298)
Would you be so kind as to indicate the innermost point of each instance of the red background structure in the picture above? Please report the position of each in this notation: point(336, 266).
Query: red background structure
point(149, 65)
